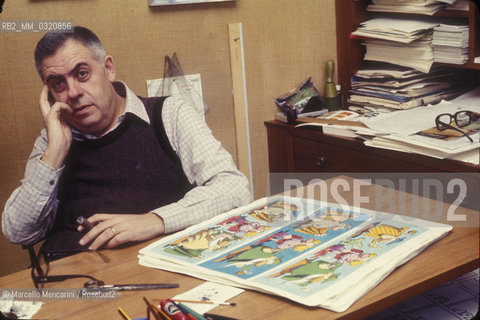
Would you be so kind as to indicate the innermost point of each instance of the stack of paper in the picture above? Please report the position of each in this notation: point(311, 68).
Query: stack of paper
point(395, 87)
point(395, 29)
point(409, 132)
point(463, 5)
point(417, 54)
point(405, 42)
point(427, 7)
point(450, 44)
point(412, 130)
point(312, 252)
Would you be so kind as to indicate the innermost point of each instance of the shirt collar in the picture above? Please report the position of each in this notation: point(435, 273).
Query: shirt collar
point(134, 106)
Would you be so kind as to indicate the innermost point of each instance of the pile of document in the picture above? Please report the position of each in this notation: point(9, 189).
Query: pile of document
point(394, 87)
point(404, 42)
point(417, 54)
point(414, 130)
point(462, 5)
point(427, 7)
point(450, 44)
point(403, 30)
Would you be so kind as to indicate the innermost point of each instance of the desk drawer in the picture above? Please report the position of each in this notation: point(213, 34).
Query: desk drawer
point(293, 149)
point(315, 156)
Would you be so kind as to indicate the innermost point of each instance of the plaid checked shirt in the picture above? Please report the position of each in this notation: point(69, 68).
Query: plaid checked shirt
point(31, 209)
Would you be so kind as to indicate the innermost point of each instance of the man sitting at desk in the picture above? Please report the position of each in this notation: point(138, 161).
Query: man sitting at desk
point(135, 167)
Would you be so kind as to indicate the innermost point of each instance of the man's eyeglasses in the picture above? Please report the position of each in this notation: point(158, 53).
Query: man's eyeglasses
point(41, 267)
point(462, 119)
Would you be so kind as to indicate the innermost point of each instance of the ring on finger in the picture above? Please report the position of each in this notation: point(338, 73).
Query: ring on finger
point(113, 231)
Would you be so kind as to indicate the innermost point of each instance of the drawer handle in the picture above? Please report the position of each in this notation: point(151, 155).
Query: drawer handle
point(320, 161)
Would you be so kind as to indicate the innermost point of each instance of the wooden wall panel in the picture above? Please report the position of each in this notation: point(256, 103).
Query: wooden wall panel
point(285, 42)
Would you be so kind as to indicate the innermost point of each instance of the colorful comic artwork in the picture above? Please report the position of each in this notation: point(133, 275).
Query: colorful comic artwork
point(230, 232)
point(340, 258)
point(286, 243)
point(315, 253)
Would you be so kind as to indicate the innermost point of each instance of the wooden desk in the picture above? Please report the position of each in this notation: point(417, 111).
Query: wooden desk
point(450, 257)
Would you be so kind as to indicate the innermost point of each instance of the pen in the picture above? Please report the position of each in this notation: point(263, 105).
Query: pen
point(131, 287)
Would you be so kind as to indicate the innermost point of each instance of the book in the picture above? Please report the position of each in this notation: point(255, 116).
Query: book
point(312, 252)
point(338, 122)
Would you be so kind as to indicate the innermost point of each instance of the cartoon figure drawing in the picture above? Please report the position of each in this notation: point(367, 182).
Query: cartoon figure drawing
point(278, 211)
point(344, 255)
point(260, 253)
point(240, 225)
point(283, 240)
point(385, 233)
point(332, 220)
point(252, 256)
point(309, 271)
point(353, 242)
point(194, 245)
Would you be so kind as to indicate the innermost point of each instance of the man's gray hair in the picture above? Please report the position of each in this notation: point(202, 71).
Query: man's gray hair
point(52, 41)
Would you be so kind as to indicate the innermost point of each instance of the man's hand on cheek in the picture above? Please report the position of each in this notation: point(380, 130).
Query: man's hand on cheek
point(111, 230)
point(58, 131)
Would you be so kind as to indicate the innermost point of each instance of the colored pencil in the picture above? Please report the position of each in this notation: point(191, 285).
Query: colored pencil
point(123, 314)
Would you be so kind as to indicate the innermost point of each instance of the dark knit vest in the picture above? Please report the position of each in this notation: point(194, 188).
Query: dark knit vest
point(131, 170)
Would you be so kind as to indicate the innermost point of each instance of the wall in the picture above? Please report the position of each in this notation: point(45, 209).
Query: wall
point(285, 42)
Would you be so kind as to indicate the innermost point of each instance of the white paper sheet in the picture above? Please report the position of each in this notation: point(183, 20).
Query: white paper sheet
point(191, 91)
point(407, 122)
point(208, 291)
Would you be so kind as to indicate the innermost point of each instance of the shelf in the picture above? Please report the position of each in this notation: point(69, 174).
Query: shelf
point(350, 13)
point(468, 65)
point(452, 14)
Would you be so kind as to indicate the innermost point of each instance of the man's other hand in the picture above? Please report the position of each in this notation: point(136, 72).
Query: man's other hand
point(111, 230)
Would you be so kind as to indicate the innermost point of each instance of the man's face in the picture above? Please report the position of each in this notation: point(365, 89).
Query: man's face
point(76, 78)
